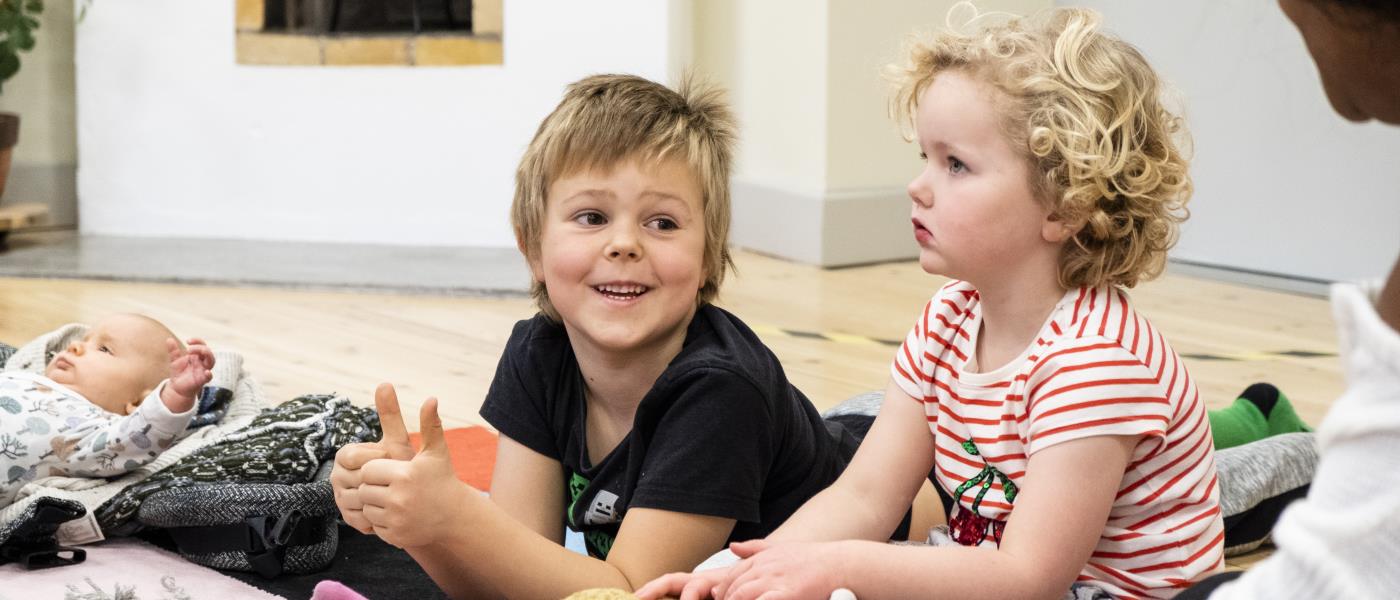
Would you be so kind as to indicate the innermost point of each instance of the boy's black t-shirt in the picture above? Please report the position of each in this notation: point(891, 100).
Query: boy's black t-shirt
point(721, 433)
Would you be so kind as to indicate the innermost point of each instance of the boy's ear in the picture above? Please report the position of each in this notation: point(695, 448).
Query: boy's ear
point(536, 268)
point(533, 260)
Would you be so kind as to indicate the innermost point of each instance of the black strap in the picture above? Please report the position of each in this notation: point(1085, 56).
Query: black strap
point(42, 556)
point(263, 539)
point(33, 544)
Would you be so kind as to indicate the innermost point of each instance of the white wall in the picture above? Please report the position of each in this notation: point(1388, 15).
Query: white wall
point(176, 139)
point(821, 168)
point(771, 56)
point(866, 151)
point(1283, 185)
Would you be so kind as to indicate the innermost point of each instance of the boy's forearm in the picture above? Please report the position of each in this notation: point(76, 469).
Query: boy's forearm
point(491, 555)
point(453, 574)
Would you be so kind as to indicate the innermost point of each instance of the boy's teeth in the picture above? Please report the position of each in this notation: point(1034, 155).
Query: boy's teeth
point(621, 289)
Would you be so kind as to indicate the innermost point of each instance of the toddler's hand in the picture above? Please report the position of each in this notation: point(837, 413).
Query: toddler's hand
point(781, 570)
point(346, 475)
point(189, 372)
point(417, 502)
point(686, 586)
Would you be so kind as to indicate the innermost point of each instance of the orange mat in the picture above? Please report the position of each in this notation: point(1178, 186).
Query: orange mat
point(473, 454)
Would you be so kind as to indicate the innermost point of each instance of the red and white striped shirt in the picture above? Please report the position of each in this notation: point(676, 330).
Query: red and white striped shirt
point(1096, 368)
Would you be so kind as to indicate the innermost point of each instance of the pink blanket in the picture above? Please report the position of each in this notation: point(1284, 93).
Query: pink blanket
point(125, 568)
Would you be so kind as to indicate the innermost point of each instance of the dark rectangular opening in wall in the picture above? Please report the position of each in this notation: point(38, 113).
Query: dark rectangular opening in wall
point(368, 16)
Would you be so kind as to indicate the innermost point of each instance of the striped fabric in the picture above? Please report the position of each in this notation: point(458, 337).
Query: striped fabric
point(1096, 368)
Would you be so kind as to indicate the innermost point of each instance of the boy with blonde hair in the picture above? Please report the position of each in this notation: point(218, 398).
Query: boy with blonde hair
point(630, 408)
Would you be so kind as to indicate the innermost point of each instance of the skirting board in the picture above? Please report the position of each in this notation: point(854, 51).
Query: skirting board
point(1296, 284)
point(833, 230)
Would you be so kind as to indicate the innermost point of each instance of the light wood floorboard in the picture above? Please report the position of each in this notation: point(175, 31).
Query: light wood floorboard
point(297, 342)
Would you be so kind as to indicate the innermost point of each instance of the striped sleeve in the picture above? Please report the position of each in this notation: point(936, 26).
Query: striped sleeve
point(1090, 388)
point(910, 369)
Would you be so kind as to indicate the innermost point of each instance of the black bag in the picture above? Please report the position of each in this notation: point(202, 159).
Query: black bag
point(266, 528)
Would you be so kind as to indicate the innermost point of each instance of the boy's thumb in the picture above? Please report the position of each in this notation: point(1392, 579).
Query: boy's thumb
point(430, 429)
point(386, 403)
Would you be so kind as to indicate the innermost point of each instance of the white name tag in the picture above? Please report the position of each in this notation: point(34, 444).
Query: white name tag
point(79, 531)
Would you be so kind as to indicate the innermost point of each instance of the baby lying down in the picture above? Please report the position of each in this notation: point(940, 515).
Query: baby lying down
point(106, 405)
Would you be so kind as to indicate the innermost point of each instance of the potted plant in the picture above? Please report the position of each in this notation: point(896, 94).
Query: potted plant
point(18, 20)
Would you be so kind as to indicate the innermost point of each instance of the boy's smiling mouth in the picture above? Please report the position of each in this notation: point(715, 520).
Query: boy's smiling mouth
point(621, 291)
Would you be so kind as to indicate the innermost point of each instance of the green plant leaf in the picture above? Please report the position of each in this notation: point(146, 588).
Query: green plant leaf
point(34, 6)
point(24, 40)
point(9, 65)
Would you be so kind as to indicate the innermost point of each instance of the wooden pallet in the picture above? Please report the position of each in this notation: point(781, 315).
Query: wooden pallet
point(19, 216)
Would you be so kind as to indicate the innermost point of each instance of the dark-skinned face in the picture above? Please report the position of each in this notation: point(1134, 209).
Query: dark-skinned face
point(1357, 56)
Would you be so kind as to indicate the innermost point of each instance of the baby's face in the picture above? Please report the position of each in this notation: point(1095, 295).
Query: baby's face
point(120, 360)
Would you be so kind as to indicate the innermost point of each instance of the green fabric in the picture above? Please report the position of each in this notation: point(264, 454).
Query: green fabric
point(1283, 419)
point(1239, 424)
point(1243, 422)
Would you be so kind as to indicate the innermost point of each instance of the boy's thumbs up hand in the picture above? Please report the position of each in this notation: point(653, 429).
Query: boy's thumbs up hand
point(419, 501)
point(346, 475)
point(394, 442)
point(430, 429)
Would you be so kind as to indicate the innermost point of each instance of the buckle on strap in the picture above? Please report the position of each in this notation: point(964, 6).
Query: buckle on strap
point(42, 556)
point(262, 539)
point(34, 546)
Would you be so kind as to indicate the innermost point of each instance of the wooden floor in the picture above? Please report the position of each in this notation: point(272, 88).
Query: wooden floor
point(298, 342)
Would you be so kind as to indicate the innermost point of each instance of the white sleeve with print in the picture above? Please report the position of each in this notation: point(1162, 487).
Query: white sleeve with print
point(48, 430)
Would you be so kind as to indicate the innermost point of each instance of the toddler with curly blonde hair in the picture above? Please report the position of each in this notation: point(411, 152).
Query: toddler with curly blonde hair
point(1070, 444)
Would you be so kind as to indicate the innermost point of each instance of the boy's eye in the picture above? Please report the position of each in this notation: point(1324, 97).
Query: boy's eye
point(923, 155)
point(664, 224)
point(955, 165)
point(104, 349)
point(590, 218)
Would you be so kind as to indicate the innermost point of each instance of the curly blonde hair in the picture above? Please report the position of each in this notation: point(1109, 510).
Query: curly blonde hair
point(1085, 108)
point(607, 120)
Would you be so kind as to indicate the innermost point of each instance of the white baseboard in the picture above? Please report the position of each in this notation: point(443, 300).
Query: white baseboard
point(1306, 286)
point(833, 230)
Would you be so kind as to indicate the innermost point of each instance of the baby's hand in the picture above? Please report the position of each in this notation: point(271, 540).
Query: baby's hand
point(189, 372)
point(346, 475)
